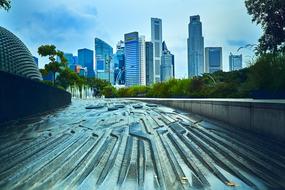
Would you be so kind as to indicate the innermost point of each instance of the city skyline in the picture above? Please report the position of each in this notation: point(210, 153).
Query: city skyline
point(88, 20)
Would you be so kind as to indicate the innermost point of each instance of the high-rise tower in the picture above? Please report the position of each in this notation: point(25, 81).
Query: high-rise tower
point(195, 45)
point(235, 62)
point(142, 60)
point(103, 60)
point(156, 39)
point(132, 61)
point(167, 64)
point(213, 59)
point(149, 63)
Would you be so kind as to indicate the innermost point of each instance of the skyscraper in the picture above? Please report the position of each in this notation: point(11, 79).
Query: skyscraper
point(195, 45)
point(85, 59)
point(235, 62)
point(166, 64)
point(103, 60)
point(142, 60)
point(173, 66)
point(75, 60)
point(132, 59)
point(149, 63)
point(119, 63)
point(69, 58)
point(213, 59)
point(156, 39)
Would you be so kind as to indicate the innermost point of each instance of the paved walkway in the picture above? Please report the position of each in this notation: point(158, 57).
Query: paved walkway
point(124, 144)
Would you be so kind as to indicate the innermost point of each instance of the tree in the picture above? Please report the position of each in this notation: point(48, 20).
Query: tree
point(270, 14)
point(53, 66)
point(5, 4)
point(68, 78)
point(109, 91)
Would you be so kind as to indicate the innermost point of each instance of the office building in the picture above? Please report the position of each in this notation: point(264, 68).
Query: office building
point(85, 59)
point(195, 45)
point(173, 65)
point(156, 39)
point(166, 64)
point(149, 63)
point(103, 61)
point(69, 58)
point(119, 64)
point(213, 59)
point(142, 60)
point(235, 62)
point(132, 59)
point(75, 60)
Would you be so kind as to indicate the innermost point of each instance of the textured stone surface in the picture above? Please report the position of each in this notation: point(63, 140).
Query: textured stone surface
point(123, 144)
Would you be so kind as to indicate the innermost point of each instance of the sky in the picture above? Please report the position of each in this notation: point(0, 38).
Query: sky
point(72, 24)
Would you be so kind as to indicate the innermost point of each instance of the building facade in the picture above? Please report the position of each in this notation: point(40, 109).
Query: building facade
point(103, 61)
point(119, 64)
point(156, 39)
point(85, 59)
point(142, 60)
point(195, 45)
point(213, 59)
point(149, 63)
point(132, 59)
point(235, 62)
point(166, 69)
point(69, 58)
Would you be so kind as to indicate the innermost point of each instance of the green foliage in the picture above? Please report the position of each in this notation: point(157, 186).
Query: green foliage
point(270, 15)
point(97, 84)
point(5, 4)
point(268, 73)
point(53, 66)
point(68, 78)
point(109, 91)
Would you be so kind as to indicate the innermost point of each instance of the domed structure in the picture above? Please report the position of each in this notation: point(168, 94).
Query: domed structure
point(15, 57)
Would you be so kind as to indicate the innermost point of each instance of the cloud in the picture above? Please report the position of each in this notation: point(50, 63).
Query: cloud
point(237, 43)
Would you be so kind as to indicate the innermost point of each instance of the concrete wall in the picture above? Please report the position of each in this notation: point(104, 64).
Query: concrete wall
point(20, 97)
point(265, 117)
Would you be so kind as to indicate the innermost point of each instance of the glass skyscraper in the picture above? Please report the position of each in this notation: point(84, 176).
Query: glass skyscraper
point(213, 59)
point(119, 64)
point(235, 62)
point(166, 64)
point(149, 63)
point(132, 59)
point(156, 39)
point(85, 59)
point(69, 58)
point(142, 60)
point(195, 45)
point(103, 60)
